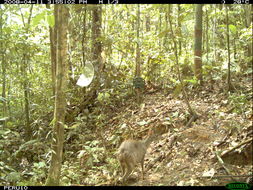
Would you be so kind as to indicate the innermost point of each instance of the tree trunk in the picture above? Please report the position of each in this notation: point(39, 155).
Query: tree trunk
point(228, 45)
point(53, 37)
point(214, 34)
point(159, 30)
point(24, 68)
point(27, 106)
point(60, 95)
point(4, 110)
point(147, 23)
point(194, 115)
point(248, 19)
point(198, 43)
point(138, 67)
point(207, 35)
point(84, 49)
point(4, 100)
point(96, 33)
point(179, 30)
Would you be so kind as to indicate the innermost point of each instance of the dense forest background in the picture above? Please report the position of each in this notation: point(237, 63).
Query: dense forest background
point(77, 80)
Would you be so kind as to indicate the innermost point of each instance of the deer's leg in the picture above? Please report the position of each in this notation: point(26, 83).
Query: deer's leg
point(129, 170)
point(123, 166)
point(142, 168)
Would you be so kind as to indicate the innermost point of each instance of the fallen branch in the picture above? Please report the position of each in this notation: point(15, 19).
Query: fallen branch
point(223, 165)
point(237, 146)
point(224, 176)
point(193, 118)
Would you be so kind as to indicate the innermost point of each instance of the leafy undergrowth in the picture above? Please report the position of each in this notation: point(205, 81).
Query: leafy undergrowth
point(181, 156)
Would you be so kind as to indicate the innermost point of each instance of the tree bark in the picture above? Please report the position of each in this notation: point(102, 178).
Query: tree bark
point(228, 45)
point(214, 34)
point(4, 100)
point(179, 30)
point(96, 33)
point(60, 95)
point(53, 37)
point(248, 19)
point(4, 110)
point(198, 43)
point(138, 67)
point(24, 68)
point(207, 39)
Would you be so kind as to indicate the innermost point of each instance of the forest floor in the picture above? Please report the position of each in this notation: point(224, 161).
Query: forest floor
point(215, 149)
point(188, 156)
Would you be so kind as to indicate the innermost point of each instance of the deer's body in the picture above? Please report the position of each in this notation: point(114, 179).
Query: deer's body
point(132, 152)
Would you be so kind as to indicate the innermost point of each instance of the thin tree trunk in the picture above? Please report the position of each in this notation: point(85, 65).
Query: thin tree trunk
point(147, 23)
point(84, 36)
point(96, 43)
point(4, 110)
point(248, 19)
point(60, 96)
point(8, 101)
point(207, 35)
point(179, 30)
point(235, 52)
point(160, 29)
point(214, 34)
point(198, 43)
point(138, 69)
point(24, 68)
point(228, 45)
point(4, 100)
point(53, 37)
point(192, 112)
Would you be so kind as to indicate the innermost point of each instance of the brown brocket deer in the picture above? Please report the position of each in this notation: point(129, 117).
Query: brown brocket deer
point(132, 152)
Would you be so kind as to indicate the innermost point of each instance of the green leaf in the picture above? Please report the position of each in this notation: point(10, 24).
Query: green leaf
point(222, 25)
point(7, 30)
point(103, 96)
point(38, 18)
point(50, 20)
point(232, 28)
point(192, 81)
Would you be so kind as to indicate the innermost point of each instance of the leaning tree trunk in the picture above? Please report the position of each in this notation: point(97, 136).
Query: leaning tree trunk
point(198, 43)
point(60, 99)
